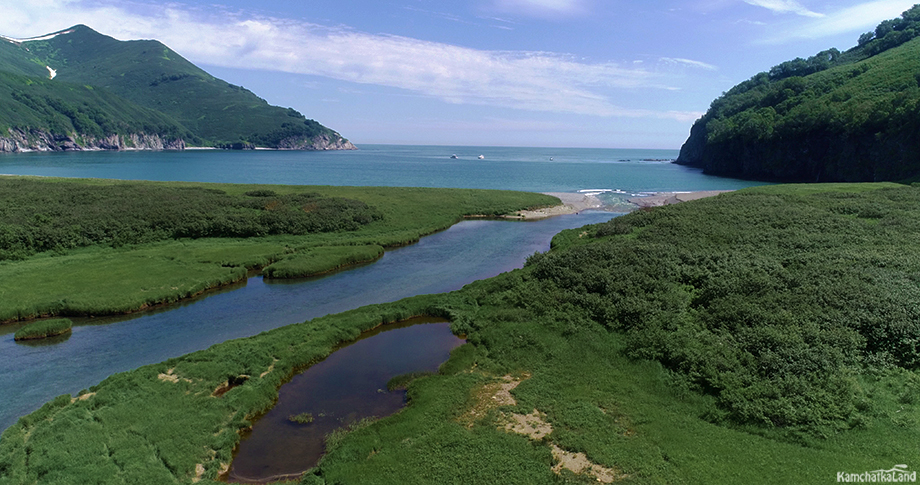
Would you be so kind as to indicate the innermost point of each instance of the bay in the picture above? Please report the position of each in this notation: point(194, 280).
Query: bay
point(528, 169)
point(33, 374)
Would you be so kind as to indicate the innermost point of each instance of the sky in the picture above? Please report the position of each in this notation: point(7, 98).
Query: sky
point(556, 73)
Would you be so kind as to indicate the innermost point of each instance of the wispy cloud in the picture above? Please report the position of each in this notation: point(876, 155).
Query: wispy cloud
point(856, 18)
point(784, 6)
point(542, 8)
point(689, 63)
point(537, 81)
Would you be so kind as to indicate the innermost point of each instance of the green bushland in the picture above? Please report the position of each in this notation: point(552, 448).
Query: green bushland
point(44, 329)
point(321, 260)
point(834, 117)
point(95, 247)
point(302, 418)
point(764, 336)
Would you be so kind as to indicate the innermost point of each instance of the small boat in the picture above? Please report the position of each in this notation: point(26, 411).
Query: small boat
point(551, 159)
point(481, 157)
point(453, 156)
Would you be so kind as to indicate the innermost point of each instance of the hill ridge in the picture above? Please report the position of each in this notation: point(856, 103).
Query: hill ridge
point(187, 103)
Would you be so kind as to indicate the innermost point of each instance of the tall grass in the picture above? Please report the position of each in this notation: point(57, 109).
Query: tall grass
point(44, 329)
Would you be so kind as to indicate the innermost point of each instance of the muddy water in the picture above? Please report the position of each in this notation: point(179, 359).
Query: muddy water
point(349, 385)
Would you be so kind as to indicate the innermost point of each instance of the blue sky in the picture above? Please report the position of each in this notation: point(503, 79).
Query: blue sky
point(588, 73)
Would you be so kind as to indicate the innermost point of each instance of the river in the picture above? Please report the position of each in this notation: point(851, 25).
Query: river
point(33, 374)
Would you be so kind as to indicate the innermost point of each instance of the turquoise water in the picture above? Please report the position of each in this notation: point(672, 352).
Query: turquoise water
point(527, 169)
point(33, 374)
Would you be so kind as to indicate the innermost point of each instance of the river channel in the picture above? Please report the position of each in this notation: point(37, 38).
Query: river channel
point(97, 348)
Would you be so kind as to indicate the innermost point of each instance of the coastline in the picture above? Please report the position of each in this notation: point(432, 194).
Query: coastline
point(668, 198)
point(573, 203)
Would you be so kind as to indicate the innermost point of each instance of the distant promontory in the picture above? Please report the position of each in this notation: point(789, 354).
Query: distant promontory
point(77, 89)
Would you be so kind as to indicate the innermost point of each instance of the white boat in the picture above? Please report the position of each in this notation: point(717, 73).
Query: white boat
point(481, 157)
point(453, 156)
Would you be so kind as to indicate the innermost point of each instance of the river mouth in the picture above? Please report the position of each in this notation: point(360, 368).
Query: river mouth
point(348, 386)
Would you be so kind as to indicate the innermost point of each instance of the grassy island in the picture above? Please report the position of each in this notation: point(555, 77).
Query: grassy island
point(77, 247)
point(44, 329)
point(764, 336)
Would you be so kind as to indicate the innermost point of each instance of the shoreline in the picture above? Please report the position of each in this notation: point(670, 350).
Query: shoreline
point(574, 202)
point(668, 198)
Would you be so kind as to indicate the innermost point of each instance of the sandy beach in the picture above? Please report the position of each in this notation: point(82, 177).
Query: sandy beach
point(573, 203)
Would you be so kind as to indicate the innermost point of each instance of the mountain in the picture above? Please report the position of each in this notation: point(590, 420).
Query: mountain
point(849, 116)
point(80, 86)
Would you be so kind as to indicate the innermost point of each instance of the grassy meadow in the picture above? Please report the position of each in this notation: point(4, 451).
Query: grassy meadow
point(95, 247)
point(764, 336)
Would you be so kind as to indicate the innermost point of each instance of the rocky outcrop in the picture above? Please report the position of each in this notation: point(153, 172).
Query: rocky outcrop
point(319, 142)
point(43, 141)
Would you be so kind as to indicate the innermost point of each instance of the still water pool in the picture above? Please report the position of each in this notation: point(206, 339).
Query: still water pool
point(346, 387)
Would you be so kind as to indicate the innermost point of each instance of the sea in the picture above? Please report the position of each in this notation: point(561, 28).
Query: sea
point(31, 374)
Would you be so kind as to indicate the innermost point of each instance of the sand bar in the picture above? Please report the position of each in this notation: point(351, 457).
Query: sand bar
point(668, 198)
point(573, 203)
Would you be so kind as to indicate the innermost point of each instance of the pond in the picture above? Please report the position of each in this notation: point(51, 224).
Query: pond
point(346, 387)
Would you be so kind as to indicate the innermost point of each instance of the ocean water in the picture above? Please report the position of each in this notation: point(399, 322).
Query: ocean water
point(529, 169)
point(33, 374)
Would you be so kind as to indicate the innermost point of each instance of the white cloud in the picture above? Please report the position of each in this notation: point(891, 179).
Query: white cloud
point(537, 81)
point(857, 18)
point(784, 6)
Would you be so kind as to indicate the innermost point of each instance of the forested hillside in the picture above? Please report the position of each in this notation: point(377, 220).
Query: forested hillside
point(835, 116)
point(137, 87)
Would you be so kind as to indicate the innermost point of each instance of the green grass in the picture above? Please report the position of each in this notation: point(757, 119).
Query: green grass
point(44, 329)
point(302, 418)
point(322, 260)
point(124, 258)
point(652, 349)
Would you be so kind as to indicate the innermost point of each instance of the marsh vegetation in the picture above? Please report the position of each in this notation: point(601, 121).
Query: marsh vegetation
point(764, 335)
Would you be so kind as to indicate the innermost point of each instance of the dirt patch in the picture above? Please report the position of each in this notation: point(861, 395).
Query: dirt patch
point(533, 425)
point(83, 397)
point(491, 396)
point(270, 368)
point(579, 463)
point(199, 472)
point(170, 377)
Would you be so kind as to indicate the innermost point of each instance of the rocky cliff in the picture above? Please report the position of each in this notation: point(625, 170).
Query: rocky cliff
point(37, 140)
point(319, 142)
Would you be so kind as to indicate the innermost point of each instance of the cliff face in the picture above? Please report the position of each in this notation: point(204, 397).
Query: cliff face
point(43, 141)
point(319, 142)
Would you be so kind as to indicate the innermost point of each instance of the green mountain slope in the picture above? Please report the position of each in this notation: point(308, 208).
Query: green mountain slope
point(852, 116)
point(148, 74)
point(43, 112)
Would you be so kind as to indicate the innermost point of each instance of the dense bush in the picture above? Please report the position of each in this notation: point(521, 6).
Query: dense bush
point(37, 216)
point(772, 303)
